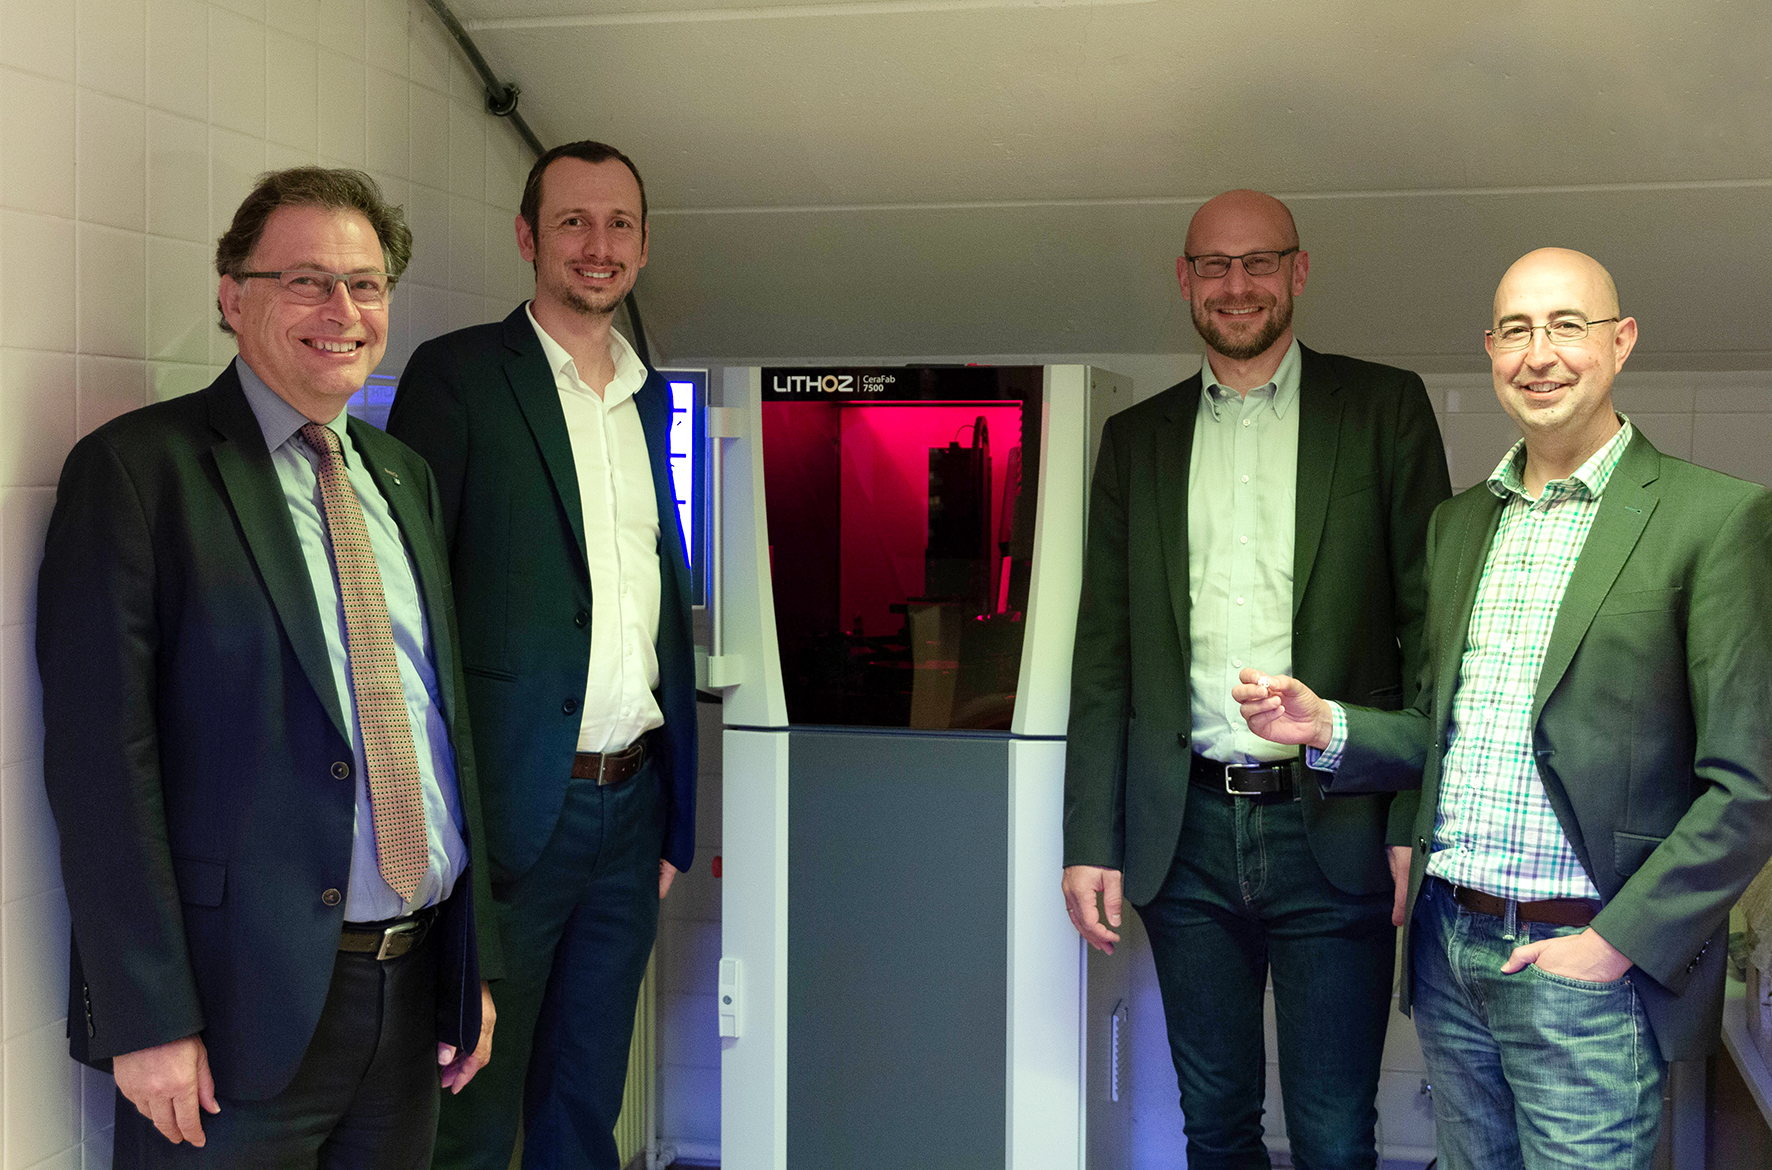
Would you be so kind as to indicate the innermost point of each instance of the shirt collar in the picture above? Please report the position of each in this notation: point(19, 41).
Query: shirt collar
point(276, 418)
point(630, 371)
point(1284, 384)
point(1590, 478)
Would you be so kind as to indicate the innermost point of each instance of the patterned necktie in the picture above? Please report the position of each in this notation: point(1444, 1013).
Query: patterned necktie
point(401, 848)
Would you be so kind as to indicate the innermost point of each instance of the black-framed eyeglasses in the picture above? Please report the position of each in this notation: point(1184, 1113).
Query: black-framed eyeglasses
point(1211, 266)
point(368, 289)
point(1562, 331)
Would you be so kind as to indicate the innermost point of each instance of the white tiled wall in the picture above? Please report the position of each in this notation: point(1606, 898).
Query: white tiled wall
point(129, 131)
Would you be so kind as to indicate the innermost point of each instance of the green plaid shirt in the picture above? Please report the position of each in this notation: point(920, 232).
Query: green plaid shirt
point(1494, 829)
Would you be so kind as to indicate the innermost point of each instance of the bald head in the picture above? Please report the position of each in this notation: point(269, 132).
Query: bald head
point(1558, 391)
point(1241, 214)
point(1552, 272)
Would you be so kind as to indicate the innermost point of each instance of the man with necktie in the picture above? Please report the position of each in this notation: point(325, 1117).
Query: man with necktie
point(256, 748)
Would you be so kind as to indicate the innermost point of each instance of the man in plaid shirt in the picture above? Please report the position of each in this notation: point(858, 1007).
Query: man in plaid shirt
point(1591, 747)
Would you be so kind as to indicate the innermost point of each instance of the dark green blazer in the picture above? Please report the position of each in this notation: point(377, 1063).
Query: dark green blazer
point(481, 405)
point(195, 751)
point(1650, 720)
point(1371, 470)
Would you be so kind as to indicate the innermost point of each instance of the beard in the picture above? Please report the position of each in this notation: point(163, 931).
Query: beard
point(569, 296)
point(1240, 347)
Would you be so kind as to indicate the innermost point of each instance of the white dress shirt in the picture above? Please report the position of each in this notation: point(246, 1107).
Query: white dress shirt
point(620, 508)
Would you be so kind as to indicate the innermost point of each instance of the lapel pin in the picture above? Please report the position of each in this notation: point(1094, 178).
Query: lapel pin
point(391, 474)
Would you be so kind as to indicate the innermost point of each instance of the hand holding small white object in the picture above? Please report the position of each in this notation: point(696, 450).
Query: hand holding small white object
point(1282, 709)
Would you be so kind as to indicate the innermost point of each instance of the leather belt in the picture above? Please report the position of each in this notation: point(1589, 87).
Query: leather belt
point(1272, 783)
point(610, 767)
point(1551, 911)
point(388, 940)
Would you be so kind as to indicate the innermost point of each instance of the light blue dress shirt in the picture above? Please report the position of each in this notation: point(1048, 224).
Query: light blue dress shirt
point(369, 898)
point(1242, 510)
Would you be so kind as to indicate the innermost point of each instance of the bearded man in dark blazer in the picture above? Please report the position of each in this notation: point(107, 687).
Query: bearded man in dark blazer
point(550, 439)
point(1274, 504)
point(1589, 761)
point(256, 748)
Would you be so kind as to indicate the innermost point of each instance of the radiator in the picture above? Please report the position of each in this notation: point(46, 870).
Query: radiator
point(638, 1120)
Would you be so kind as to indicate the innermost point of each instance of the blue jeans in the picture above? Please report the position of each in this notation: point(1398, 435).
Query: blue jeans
point(1244, 895)
point(1530, 1071)
point(577, 931)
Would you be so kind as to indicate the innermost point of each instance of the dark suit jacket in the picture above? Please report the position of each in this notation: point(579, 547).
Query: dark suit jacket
point(1650, 717)
point(195, 750)
point(481, 405)
point(1371, 469)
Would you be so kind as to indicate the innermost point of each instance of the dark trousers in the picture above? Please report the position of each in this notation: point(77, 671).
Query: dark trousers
point(1244, 895)
point(363, 1098)
point(577, 929)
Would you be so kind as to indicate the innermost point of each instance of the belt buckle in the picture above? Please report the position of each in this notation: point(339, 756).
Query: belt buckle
point(609, 762)
point(389, 933)
point(1238, 791)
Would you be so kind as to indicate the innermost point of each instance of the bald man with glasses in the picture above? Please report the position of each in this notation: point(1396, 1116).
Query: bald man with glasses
point(1589, 756)
point(1274, 506)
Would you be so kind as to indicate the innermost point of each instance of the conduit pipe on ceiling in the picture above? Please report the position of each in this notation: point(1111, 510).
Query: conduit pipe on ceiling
point(501, 102)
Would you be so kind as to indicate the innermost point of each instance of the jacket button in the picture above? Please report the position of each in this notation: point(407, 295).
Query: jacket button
point(1421, 845)
point(341, 771)
point(580, 619)
point(1181, 738)
point(569, 706)
point(331, 897)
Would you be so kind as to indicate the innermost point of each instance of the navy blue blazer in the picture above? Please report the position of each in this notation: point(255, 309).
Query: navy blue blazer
point(195, 752)
point(481, 405)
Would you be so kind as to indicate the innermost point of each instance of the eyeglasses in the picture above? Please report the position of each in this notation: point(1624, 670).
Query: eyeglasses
point(1562, 331)
point(368, 289)
point(1211, 267)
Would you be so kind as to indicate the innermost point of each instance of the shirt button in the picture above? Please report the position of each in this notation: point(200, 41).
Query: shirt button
point(331, 897)
point(569, 706)
point(1237, 662)
point(1242, 540)
point(1245, 479)
point(1239, 601)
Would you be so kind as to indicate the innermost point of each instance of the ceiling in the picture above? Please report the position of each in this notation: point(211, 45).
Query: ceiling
point(918, 177)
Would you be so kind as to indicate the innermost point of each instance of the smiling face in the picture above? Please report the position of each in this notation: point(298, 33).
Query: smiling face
point(314, 356)
point(590, 242)
point(1238, 315)
point(1560, 394)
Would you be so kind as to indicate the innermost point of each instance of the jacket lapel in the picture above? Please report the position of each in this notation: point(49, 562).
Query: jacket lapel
point(1173, 454)
point(526, 369)
point(1319, 438)
point(1624, 512)
point(256, 495)
point(412, 515)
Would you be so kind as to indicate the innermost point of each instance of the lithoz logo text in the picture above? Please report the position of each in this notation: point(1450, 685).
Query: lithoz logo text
point(818, 384)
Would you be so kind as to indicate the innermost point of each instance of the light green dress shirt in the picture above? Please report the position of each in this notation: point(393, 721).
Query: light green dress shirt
point(1242, 505)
